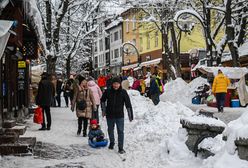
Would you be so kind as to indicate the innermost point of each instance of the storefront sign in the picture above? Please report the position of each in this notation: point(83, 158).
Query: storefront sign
point(21, 64)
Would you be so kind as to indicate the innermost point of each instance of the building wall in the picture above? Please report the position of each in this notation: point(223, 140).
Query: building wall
point(115, 44)
point(130, 34)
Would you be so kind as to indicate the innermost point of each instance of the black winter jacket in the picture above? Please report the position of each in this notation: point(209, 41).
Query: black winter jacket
point(45, 93)
point(115, 103)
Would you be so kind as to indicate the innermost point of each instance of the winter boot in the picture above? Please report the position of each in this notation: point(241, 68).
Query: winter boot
point(111, 146)
point(221, 109)
point(78, 132)
point(84, 134)
point(42, 129)
point(121, 151)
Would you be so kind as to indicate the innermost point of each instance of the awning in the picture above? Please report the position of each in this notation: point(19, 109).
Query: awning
point(4, 34)
point(151, 62)
point(230, 72)
point(132, 66)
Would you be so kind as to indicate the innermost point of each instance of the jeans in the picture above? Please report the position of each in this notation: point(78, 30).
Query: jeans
point(120, 130)
point(80, 121)
point(155, 98)
point(95, 114)
point(220, 98)
point(46, 109)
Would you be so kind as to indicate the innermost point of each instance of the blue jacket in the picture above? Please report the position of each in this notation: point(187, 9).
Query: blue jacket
point(154, 89)
point(95, 133)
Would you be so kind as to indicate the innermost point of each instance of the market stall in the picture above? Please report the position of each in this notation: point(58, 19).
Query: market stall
point(237, 91)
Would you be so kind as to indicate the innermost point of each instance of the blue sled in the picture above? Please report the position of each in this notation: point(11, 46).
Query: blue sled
point(95, 144)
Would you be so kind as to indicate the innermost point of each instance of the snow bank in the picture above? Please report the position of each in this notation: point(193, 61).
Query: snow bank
point(204, 120)
point(153, 128)
point(180, 91)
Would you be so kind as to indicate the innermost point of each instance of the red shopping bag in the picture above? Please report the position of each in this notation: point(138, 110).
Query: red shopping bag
point(38, 116)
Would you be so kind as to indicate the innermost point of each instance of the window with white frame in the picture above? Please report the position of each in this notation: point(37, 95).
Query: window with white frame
point(148, 41)
point(134, 23)
point(127, 25)
point(101, 45)
point(116, 52)
point(116, 36)
point(141, 44)
point(95, 45)
point(156, 39)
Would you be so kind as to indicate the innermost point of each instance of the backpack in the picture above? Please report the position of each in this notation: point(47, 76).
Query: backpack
point(82, 104)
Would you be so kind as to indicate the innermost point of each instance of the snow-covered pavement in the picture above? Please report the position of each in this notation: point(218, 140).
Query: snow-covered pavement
point(153, 140)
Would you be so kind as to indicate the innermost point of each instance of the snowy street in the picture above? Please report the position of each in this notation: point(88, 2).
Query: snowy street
point(153, 139)
point(60, 147)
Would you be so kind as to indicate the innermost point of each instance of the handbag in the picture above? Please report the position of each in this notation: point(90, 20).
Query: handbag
point(38, 115)
point(81, 105)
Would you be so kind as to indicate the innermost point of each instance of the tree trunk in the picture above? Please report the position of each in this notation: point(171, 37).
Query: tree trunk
point(176, 53)
point(230, 32)
point(51, 64)
point(167, 64)
point(68, 67)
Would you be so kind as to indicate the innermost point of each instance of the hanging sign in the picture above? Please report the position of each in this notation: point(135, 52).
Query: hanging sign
point(21, 64)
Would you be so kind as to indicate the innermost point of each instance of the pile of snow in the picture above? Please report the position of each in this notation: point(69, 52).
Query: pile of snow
point(194, 84)
point(153, 128)
point(213, 145)
point(176, 91)
point(199, 119)
point(180, 91)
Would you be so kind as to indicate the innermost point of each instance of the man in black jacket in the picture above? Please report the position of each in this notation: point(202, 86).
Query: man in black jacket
point(44, 99)
point(116, 97)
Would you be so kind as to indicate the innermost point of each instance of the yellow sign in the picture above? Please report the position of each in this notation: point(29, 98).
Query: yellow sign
point(21, 64)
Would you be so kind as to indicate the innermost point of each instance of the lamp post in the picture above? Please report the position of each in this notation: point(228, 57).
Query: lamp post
point(129, 48)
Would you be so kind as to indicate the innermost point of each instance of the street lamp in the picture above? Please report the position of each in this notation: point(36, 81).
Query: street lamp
point(130, 48)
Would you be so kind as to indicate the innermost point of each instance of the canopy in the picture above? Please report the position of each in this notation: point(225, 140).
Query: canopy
point(132, 66)
point(151, 62)
point(230, 72)
point(4, 34)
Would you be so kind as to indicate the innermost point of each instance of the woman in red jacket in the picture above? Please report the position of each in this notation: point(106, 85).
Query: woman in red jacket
point(101, 82)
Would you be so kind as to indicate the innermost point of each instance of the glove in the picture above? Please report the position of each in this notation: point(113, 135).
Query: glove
point(130, 114)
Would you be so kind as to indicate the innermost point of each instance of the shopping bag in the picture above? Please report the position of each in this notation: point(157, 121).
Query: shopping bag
point(38, 116)
point(211, 99)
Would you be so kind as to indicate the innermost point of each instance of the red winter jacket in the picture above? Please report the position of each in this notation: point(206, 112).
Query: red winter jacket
point(101, 81)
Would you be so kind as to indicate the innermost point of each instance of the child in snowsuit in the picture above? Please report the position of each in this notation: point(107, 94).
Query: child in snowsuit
point(95, 133)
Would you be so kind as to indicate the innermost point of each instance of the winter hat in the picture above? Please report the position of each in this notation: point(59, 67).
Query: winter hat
point(116, 79)
point(93, 122)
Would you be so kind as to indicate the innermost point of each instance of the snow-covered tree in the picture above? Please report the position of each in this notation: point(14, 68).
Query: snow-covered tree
point(68, 25)
point(216, 15)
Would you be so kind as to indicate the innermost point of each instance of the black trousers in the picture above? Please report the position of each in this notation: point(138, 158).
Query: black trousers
point(46, 110)
point(66, 100)
point(80, 122)
point(58, 98)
